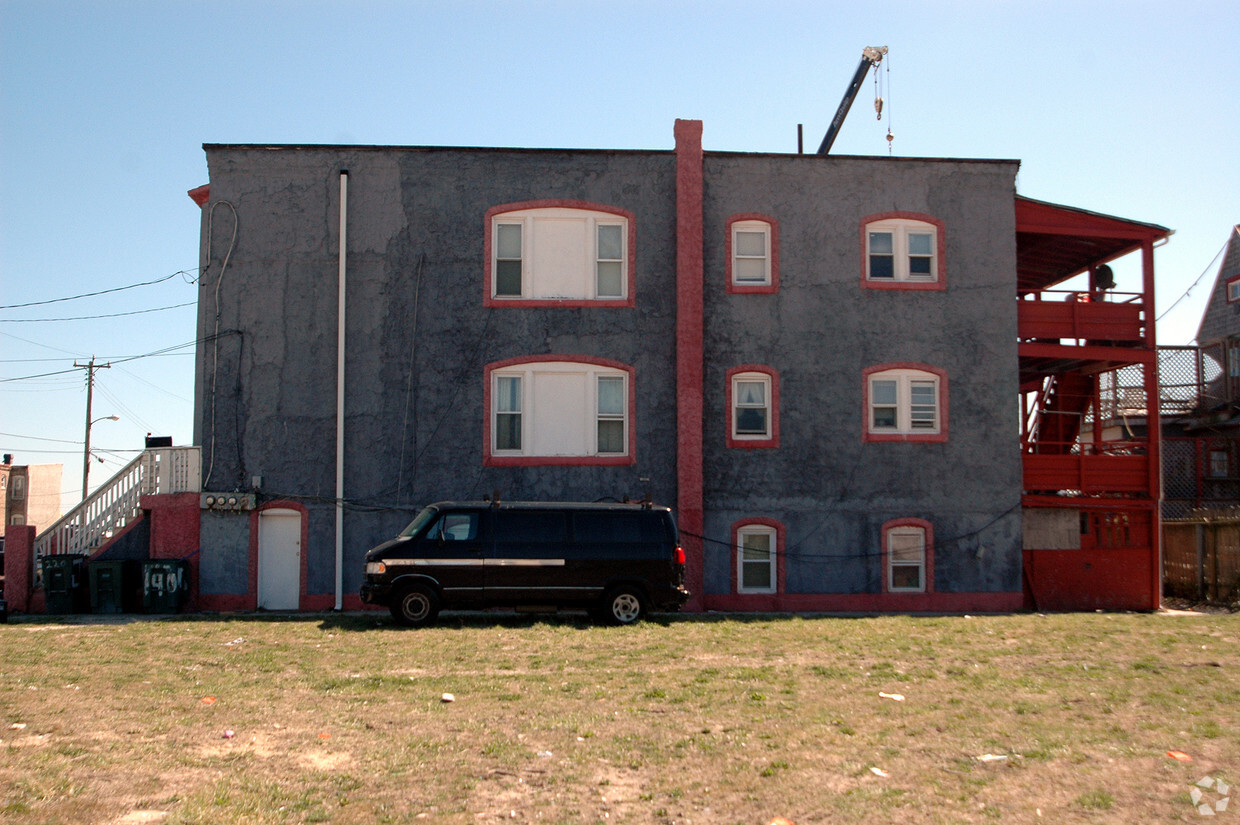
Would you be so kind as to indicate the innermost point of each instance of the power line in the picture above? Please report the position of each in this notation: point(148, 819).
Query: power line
point(100, 292)
point(96, 317)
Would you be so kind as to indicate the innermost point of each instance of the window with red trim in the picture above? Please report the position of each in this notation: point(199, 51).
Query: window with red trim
point(753, 407)
point(905, 402)
point(559, 252)
point(902, 250)
point(907, 556)
point(752, 250)
point(758, 544)
point(559, 411)
point(1233, 289)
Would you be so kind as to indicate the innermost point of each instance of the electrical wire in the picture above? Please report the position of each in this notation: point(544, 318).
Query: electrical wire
point(100, 292)
point(215, 350)
point(1193, 285)
point(97, 317)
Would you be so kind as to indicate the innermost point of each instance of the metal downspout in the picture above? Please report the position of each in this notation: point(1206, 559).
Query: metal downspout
point(340, 371)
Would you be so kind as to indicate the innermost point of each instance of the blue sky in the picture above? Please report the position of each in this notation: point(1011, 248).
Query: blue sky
point(1123, 108)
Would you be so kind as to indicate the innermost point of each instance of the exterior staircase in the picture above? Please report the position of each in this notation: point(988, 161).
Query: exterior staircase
point(116, 504)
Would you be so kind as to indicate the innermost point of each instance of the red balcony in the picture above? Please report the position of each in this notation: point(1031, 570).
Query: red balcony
point(1053, 315)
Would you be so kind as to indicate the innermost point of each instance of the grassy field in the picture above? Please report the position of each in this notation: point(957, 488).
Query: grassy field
point(1022, 719)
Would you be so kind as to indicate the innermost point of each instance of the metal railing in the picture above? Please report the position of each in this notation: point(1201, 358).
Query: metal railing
point(116, 503)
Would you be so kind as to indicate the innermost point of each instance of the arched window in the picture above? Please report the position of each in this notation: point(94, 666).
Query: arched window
point(752, 248)
point(559, 410)
point(753, 407)
point(759, 545)
point(902, 250)
point(905, 402)
point(908, 560)
point(561, 253)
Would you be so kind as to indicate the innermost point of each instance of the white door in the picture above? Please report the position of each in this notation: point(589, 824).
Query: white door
point(279, 559)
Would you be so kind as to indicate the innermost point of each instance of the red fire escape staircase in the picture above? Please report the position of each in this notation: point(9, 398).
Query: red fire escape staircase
point(1091, 479)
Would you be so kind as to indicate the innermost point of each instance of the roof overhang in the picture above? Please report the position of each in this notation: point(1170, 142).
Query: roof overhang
point(1054, 243)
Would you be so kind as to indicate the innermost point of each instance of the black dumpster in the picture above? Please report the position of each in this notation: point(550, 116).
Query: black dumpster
point(165, 584)
point(63, 583)
point(113, 586)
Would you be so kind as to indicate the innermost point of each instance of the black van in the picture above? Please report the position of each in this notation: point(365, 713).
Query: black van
point(617, 560)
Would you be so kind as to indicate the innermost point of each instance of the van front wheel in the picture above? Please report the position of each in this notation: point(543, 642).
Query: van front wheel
point(623, 605)
point(415, 606)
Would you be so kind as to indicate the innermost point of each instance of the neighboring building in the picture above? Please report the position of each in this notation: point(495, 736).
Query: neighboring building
point(1201, 402)
point(814, 360)
point(29, 494)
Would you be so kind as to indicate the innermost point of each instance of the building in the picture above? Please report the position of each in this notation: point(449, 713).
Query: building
point(816, 360)
point(1201, 402)
point(29, 493)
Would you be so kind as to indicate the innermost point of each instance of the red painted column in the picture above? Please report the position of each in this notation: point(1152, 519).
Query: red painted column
point(18, 566)
point(175, 520)
point(689, 358)
point(1154, 429)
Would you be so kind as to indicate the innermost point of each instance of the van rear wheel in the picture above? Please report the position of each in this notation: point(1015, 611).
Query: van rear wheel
point(623, 605)
point(415, 606)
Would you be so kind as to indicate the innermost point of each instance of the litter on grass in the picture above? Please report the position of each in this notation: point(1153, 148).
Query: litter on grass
point(895, 697)
point(990, 757)
point(879, 772)
point(1179, 756)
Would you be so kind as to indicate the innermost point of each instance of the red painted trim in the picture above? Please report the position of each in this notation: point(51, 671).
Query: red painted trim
point(868, 436)
point(490, 460)
point(928, 572)
point(1001, 602)
point(751, 289)
point(279, 504)
point(781, 567)
point(490, 300)
point(1227, 289)
point(735, 442)
point(201, 194)
point(940, 262)
point(690, 268)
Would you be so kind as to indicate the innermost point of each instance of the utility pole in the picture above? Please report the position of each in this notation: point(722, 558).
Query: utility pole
point(90, 391)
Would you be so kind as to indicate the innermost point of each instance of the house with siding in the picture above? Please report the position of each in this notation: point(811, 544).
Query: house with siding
point(852, 378)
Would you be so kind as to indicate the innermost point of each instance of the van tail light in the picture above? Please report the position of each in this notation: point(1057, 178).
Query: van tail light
point(679, 555)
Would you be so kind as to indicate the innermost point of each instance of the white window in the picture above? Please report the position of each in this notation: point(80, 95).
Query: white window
point(755, 559)
point(751, 406)
point(904, 401)
point(1233, 290)
point(901, 250)
point(906, 559)
point(751, 253)
point(559, 253)
point(559, 409)
point(17, 489)
point(17, 520)
point(1220, 467)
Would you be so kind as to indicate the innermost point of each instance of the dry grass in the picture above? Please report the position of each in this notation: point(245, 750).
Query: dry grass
point(688, 720)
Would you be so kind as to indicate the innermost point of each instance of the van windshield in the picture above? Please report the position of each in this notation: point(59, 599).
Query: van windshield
point(418, 522)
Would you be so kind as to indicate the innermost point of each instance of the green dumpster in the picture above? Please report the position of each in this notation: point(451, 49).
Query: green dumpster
point(165, 584)
point(113, 586)
point(63, 582)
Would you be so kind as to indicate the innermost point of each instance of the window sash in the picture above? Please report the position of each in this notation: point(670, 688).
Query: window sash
point(902, 252)
point(751, 259)
point(592, 420)
point(755, 553)
point(610, 430)
point(536, 255)
point(906, 559)
point(904, 403)
point(751, 407)
point(508, 403)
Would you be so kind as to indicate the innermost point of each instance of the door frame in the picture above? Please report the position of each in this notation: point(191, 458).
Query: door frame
point(304, 515)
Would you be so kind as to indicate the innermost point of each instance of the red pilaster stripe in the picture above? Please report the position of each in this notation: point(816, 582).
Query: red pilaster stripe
point(689, 370)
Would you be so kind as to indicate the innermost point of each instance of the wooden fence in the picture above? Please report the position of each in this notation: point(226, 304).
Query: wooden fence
point(1201, 557)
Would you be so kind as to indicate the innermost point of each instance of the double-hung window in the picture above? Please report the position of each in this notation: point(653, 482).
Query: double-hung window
point(902, 252)
point(756, 556)
point(752, 253)
point(1233, 289)
point(753, 393)
point(551, 411)
point(559, 252)
point(905, 404)
point(906, 559)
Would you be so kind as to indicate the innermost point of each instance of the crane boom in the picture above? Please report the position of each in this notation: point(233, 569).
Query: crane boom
point(870, 56)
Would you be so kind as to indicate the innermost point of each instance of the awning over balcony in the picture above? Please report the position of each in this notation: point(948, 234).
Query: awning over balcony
point(1054, 242)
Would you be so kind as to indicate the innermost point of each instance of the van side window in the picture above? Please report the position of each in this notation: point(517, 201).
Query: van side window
point(518, 527)
point(617, 528)
point(456, 527)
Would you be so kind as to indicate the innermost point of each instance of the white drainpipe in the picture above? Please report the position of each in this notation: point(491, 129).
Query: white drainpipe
point(340, 352)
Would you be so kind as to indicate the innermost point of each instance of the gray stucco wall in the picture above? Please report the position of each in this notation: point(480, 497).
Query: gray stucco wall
point(419, 338)
point(820, 331)
point(418, 335)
